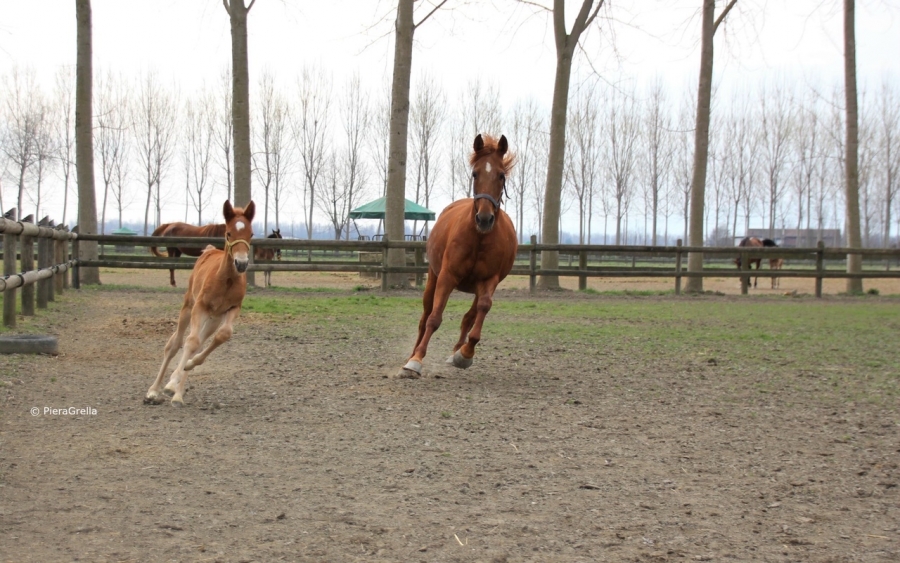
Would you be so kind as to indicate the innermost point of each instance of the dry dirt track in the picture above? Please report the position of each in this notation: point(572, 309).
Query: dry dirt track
point(298, 448)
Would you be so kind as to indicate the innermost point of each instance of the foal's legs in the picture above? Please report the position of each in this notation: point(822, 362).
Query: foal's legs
point(172, 347)
point(202, 326)
point(462, 358)
point(222, 335)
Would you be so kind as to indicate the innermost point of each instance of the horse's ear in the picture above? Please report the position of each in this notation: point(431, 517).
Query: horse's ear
point(250, 210)
point(228, 211)
point(502, 146)
point(479, 143)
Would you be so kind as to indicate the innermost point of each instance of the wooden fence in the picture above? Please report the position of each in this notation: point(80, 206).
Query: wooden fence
point(58, 249)
point(49, 274)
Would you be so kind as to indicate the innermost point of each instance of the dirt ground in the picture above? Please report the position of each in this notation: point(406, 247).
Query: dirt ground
point(296, 445)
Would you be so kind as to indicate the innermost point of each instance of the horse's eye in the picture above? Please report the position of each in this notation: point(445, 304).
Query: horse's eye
point(503, 176)
point(474, 174)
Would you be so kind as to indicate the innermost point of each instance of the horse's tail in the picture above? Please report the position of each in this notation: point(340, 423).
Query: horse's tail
point(158, 232)
point(769, 242)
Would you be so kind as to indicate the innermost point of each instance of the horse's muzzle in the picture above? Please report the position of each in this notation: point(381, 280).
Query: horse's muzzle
point(484, 222)
point(241, 265)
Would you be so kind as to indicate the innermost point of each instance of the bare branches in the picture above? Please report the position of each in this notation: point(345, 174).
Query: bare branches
point(724, 13)
point(428, 15)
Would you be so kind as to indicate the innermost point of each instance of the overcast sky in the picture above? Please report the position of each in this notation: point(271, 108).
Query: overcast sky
point(500, 41)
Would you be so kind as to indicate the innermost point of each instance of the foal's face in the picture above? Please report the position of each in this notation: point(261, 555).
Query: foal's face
point(488, 179)
point(238, 232)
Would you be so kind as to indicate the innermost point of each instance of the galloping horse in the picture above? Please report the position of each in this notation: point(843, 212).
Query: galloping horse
point(754, 242)
point(471, 248)
point(184, 230)
point(268, 253)
point(212, 302)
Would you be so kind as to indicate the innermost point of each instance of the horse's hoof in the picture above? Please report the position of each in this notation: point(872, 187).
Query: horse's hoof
point(412, 370)
point(177, 402)
point(169, 390)
point(189, 365)
point(153, 398)
point(459, 361)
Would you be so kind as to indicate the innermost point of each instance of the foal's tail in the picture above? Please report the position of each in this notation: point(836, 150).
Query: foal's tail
point(158, 232)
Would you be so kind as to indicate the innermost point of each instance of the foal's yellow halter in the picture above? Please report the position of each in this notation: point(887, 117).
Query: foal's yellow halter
point(228, 244)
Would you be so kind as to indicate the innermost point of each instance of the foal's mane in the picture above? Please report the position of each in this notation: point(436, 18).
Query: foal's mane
point(489, 148)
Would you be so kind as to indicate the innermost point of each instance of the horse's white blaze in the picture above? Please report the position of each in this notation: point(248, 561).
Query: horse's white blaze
point(239, 225)
point(487, 167)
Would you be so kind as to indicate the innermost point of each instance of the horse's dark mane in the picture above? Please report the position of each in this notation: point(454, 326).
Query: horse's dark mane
point(489, 148)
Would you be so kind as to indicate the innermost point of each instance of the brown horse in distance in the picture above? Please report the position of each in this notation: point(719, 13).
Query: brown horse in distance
point(184, 230)
point(211, 304)
point(753, 242)
point(268, 253)
point(472, 248)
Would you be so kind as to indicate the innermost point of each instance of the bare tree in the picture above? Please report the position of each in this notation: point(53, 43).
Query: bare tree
point(657, 125)
point(64, 102)
point(710, 23)
point(526, 127)
point(332, 197)
point(889, 146)
point(224, 131)
point(380, 137)
point(482, 108)
point(682, 162)
point(566, 43)
point(356, 119)
point(270, 131)
point(458, 162)
point(583, 158)
point(84, 144)
point(622, 129)
point(198, 139)
point(23, 116)
point(112, 129)
point(404, 29)
point(776, 126)
point(240, 96)
point(310, 124)
point(154, 124)
point(428, 114)
point(851, 158)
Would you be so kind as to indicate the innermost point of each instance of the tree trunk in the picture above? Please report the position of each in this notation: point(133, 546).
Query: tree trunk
point(84, 141)
point(396, 181)
point(854, 261)
point(701, 146)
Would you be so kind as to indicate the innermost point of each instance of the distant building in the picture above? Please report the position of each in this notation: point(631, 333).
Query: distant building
point(798, 238)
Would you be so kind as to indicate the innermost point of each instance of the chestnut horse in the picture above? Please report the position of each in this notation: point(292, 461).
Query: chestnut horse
point(212, 302)
point(776, 264)
point(184, 230)
point(471, 248)
point(268, 253)
point(754, 242)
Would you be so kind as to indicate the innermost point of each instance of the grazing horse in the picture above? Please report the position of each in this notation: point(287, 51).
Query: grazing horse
point(268, 253)
point(212, 302)
point(753, 242)
point(471, 248)
point(184, 230)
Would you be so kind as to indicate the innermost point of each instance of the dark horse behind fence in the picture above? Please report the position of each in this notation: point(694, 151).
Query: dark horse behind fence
point(471, 248)
point(753, 242)
point(268, 253)
point(184, 230)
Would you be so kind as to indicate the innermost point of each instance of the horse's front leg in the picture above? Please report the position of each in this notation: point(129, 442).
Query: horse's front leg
point(462, 358)
point(466, 324)
point(437, 292)
point(172, 347)
point(202, 326)
point(222, 335)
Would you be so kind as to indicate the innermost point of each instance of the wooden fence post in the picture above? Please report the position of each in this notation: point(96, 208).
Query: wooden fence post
point(420, 261)
point(532, 262)
point(59, 251)
point(43, 295)
point(76, 271)
point(678, 267)
point(27, 262)
point(384, 263)
point(9, 268)
point(745, 266)
point(582, 265)
point(820, 266)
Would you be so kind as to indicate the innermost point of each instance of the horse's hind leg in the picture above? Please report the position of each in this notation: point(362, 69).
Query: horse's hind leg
point(467, 321)
point(172, 347)
point(463, 357)
point(202, 326)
